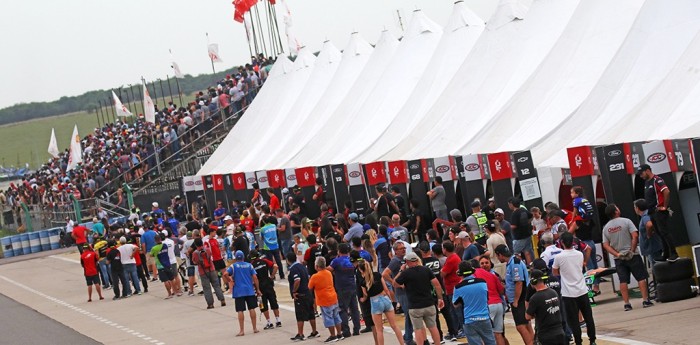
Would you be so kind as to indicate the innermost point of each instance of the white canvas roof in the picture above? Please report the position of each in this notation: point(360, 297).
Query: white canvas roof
point(459, 35)
point(516, 39)
point(658, 38)
point(354, 58)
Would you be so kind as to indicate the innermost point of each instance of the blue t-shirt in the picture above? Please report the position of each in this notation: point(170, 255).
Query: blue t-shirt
point(174, 225)
point(471, 252)
point(298, 272)
point(516, 271)
point(472, 293)
point(366, 255)
point(269, 235)
point(242, 273)
point(149, 239)
point(99, 228)
point(344, 273)
point(381, 246)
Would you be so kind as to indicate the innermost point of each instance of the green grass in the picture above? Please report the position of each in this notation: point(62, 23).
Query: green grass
point(28, 141)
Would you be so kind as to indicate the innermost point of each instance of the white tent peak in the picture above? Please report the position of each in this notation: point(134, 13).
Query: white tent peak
point(357, 46)
point(462, 17)
point(385, 38)
point(305, 59)
point(508, 11)
point(329, 54)
point(421, 24)
point(282, 66)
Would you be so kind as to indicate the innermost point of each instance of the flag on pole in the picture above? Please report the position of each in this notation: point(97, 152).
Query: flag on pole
point(53, 146)
point(76, 152)
point(214, 52)
point(148, 106)
point(248, 29)
point(292, 40)
point(120, 108)
point(176, 70)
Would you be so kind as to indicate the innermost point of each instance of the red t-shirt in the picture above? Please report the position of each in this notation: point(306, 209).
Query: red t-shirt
point(89, 262)
point(248, 224)
point(137, 257)
point(494, 285)
point(80, 232)
point(214, 247)
point(450, 268)
point(274, 203)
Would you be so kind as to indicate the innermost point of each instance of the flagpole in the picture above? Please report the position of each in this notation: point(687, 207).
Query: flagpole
point(277, 28)
point(140, 94)
point(262, 32)
point(210, 57)
point(170, 89)
point(162, 92)
point(114, 119)
point(179, 92)
point(252, 28)
point(247, 36)
point(97, 116)
point(101, 114)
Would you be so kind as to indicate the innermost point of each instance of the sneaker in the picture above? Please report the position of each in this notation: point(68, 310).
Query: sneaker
point(647, 304)
point(346, 335)
point(449, 337)
point(355, 333)
point(201, 293)
point(628, 307)
point(331, 339)
point(297, 337)
point(582, 324)
point(269, 326)
point(223, 303)
point(139, 293)
point(313, 335)
point(340, 337)
point(366, 330)
point(442, 341)
point(169, 297)
point(278, 324)
point(190, 294)
point(460, 335)
point(115, 298)
point(211, 306)
point(673, 258)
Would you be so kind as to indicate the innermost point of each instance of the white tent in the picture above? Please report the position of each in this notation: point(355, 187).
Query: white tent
point(516, 39)
point(361, 89)
point(354, 58)
point(459, 35)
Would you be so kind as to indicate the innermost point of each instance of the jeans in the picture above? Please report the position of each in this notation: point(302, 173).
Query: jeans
point(105, 268)
point(131, 278)
point(660, 220)
point(456, 314)
point(480, 331)
point(209, 280)
point(118, 276)
point(449, 316)
point(573, 306)
point(278, 259)
point(347, 300)
point(408, 326)
point(286, 246)
point(140, 270)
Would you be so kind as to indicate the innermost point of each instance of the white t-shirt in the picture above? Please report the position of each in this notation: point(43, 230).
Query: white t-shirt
point(126, 251)
point(549, 253)
point(171, 250)
point(570, 265)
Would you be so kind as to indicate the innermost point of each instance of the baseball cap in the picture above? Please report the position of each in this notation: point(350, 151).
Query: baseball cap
point(642, 168)
point(490, 224)
point(353, 216)
point(411, 257)
point(462, 234)
point(499, 210)
point(239, 255)
point(366, 227)
point(228, 218)
point(154, 204)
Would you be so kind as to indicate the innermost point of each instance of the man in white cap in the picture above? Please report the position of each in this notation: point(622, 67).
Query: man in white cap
point(505, 226)
point(156, 210)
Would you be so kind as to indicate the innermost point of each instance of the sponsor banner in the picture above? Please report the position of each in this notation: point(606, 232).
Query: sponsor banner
point(428, 169)
point(207, 181)
point(397, 172)
point(291, 176)
point(678, 151)
point(581, 161)
point(305, 176)
point(198, 185)
point(354, 174)
point(238, 181)
point(261, 176)
point(276, 178)
point(250, 179)
point(340, 187)
point(218, 182)
point(472, 168)
point(445, 168)
point(656, 156)
point(617, 184)
point(188, 183)
point(500, 166)
point(524, 167)
point(415, 170)
point(637, 155)
point(375, 173)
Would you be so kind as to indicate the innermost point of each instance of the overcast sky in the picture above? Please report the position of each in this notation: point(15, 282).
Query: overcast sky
point(65, 48)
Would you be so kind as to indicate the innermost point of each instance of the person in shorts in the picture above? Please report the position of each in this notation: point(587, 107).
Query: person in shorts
point(516, 290)
point(472, 296)
point(243, 277)
point(419, 283)
point(165, 274)
point(322, 286)
point(89, 260)
point(298, 279)
point(266, 271)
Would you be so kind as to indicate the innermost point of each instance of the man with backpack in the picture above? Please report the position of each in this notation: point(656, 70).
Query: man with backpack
point(207, 273)
point(522, 230)
point(583, 216)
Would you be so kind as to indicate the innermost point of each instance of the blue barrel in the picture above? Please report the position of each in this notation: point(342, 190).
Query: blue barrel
point(55, 238)
point(34, 242)
point(25, 243)
point(7, 250)
point(44, 240)
point(16, 241)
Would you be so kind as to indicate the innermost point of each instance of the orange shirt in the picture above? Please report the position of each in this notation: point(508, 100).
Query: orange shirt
point(322, 284)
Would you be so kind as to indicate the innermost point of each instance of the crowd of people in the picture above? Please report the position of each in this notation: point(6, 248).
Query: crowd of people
point(128, 150)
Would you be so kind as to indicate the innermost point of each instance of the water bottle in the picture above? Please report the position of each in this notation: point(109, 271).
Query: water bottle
point(260, 303)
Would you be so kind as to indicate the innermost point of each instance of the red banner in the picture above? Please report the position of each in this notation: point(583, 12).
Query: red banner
point(238, 181)
point(500, 166)
point(397, 172)
point(580, 161)
point(218, 182)
point(276, 178)
point(375, 173)
point(305, 176)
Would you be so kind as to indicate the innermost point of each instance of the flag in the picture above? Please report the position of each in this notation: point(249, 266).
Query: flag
point(238, 16)
point(214, 53)
point(120, 108)
point(76, 152)
point(248, 30)
point(292, 40)
point(176, 70)
point(218, 182)
point(53, 146)
point(148, 106)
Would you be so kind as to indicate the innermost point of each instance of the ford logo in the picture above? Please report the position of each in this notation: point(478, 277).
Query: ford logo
point(263, 179)
point(251, 180)
point(522, 159)
point(656, 157)
point(471, 167)
point(415, 166)
point(338, 170)
point(442, 169)
point(354, 174)
point(614, 153)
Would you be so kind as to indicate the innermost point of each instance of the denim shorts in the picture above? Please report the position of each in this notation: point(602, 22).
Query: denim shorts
point(331, 315)
point(380, 304)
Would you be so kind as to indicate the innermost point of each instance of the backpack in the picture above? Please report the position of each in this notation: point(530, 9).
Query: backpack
point(585, 209)
point(204, 260)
